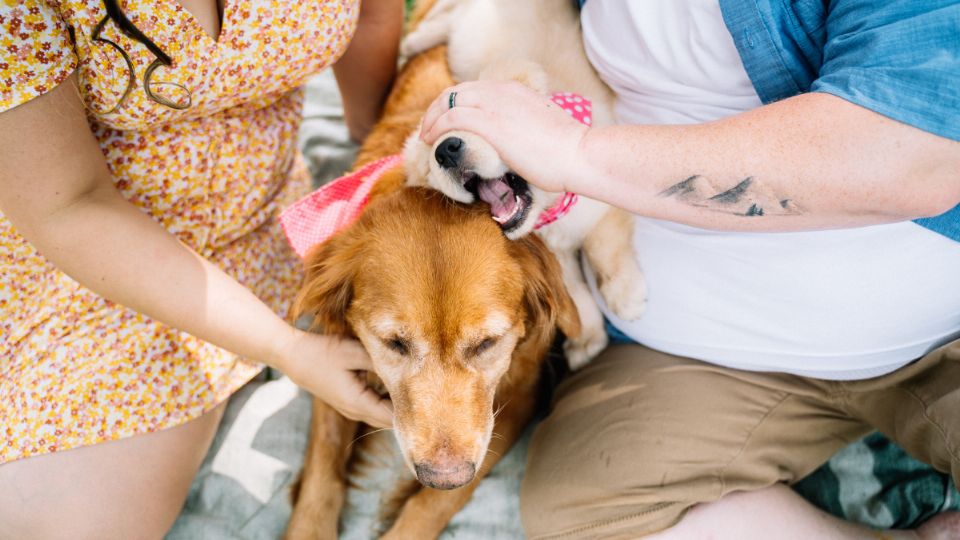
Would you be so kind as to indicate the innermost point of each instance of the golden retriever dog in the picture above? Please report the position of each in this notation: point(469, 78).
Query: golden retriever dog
point(538, 43)
point(457, 319)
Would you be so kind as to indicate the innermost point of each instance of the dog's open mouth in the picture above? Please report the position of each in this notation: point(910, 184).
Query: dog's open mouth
point(508, 196)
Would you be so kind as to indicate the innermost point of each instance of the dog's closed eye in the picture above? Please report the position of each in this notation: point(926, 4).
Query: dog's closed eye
point(482, 347)
point(398, 345)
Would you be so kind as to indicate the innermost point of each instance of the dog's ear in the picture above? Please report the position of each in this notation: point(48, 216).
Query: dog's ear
point(547, 301)
point(416, 159)
point(328, 286)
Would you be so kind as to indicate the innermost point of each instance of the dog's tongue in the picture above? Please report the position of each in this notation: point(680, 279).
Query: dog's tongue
point(500, 197)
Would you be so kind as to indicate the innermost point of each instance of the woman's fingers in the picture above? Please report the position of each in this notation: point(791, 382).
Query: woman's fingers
point(352, 355)
point(359, 402)
point(373, 409)
point(334, 370)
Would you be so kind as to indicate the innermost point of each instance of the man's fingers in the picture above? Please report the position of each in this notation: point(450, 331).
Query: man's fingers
point(439, 106)
point(469, 95)
point(469, 119)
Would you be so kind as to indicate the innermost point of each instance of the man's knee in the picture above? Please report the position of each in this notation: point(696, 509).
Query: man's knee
point(608, 462)
point(634, 440)
point(589, 492)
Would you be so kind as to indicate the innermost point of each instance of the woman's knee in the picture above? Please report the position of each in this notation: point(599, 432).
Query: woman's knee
point(40, 501)
point(131, 488)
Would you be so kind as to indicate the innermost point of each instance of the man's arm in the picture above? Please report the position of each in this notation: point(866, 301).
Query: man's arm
point(814, 161)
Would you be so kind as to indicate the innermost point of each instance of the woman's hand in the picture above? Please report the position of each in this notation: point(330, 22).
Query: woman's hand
point(57, 191)
point(534, 136)
point(332, 369)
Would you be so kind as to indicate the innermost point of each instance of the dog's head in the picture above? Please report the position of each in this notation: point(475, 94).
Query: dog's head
point(448, 309)
point(466, 168)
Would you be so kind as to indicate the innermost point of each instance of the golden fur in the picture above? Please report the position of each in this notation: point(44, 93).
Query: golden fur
point(456, 318)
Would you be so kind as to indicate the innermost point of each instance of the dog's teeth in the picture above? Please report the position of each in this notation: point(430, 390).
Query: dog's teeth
point(516, 210)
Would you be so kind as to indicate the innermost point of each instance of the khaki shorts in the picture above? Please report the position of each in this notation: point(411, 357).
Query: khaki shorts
point(638, 437)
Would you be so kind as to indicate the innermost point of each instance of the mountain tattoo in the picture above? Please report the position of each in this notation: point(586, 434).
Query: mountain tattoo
point(747, 198)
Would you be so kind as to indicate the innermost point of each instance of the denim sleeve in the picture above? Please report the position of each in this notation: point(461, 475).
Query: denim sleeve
point(899, 58)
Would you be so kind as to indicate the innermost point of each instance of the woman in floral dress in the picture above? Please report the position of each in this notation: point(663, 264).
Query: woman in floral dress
point(145, 150)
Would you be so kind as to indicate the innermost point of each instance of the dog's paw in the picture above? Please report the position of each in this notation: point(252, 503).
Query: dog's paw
point(584, 348)
point(393, 534)
point(433, 30)
point(420, 40)
point(625, 295)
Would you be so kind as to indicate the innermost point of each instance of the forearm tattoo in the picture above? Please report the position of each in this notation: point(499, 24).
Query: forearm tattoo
point(747, 198)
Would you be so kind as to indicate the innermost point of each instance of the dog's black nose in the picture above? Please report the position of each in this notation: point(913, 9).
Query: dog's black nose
point(446, 473)
point(450, 152)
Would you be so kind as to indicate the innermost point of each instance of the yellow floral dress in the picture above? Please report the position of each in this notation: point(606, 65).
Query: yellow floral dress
point(76, 369)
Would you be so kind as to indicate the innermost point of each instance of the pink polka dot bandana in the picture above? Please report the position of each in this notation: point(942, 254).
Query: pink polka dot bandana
point(576, 106)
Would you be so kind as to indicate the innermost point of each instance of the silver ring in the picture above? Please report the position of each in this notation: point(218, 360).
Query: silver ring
point(452, 101)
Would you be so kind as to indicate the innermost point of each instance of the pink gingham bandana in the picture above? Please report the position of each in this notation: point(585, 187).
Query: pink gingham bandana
point(315, 218)
point(323, 213)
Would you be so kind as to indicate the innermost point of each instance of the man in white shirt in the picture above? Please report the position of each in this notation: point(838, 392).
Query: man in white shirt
point(795, 175)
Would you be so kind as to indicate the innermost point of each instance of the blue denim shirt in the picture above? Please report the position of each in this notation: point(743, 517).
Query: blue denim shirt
point(899, 58)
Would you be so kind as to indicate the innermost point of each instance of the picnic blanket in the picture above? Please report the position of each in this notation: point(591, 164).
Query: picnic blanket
point(242, 489)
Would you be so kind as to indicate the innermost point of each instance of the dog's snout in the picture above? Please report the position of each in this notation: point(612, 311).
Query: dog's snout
point(450, 152)
point(445, 473)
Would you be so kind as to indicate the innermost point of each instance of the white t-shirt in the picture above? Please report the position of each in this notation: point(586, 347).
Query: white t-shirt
point(842, 304)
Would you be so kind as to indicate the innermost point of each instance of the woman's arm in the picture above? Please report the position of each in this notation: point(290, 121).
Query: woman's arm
point(366, 70)
point(814, 161)
point(56, 190)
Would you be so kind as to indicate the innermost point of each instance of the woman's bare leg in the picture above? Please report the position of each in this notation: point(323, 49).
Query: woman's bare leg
point(778, 512)
point(127, 489)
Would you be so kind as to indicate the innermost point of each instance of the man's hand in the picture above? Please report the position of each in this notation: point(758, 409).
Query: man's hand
point(536, 138)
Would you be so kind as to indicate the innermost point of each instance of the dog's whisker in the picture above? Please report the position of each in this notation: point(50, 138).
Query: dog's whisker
point(500, 408)
point(368, 433)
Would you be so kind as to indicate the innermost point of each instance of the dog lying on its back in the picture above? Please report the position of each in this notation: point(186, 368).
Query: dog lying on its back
point(538, 43)
point(457, 320)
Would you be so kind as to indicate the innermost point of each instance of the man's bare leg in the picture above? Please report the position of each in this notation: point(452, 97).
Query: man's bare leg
point(778, 512)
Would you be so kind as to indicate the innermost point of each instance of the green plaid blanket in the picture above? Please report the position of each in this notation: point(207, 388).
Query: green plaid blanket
point(875, 482)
